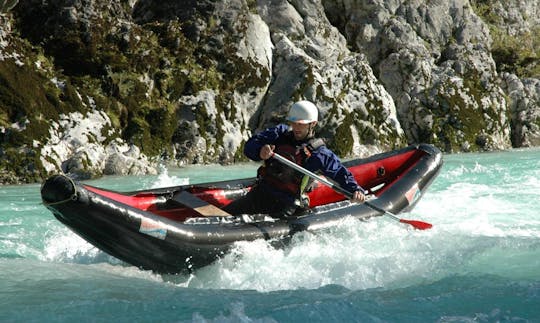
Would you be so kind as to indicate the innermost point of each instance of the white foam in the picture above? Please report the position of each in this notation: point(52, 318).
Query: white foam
point(478, 221)
point(471, 219)
point(237, 314)
point(66, 246)
point(166, 180)
point(357, 255)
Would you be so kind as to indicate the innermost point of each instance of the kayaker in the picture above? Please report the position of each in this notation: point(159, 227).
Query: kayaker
point(280, 190)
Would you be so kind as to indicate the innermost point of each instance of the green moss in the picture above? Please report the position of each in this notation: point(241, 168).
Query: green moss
point(4, 119)
point(151, 128)
point(453, 115)
point(25, 92)
point(135, 73)
point(109, 68)
point(220, 133)
point(252, 6)
point(483, 8)
point(239, 153)
point(204, 121)
point(457, 120)
point(30, 100)
point(24, 163)
point(517, 54)
point(343, 143)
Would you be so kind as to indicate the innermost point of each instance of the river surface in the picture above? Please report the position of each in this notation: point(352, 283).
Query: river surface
point(479, 263)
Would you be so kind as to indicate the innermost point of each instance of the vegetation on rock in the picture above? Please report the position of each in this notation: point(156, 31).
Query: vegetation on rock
point(172, 78)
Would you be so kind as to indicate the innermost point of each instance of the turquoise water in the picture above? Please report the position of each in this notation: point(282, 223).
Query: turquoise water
point(479, 263)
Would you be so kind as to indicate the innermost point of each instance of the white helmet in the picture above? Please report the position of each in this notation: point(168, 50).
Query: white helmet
point(303, 112)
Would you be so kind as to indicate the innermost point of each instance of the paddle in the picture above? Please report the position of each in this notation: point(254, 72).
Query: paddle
point(417, 224)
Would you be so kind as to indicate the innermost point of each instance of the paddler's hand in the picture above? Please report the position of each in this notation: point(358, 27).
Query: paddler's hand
point(266, 151)
point(358, 197)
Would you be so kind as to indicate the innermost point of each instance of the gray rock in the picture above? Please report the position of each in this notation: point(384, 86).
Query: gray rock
point(433, 58)
point(384, 73)
point(78, 147)
point(525, 109)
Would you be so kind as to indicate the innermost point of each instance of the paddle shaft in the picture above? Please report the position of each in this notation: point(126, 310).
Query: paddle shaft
point(417, 224)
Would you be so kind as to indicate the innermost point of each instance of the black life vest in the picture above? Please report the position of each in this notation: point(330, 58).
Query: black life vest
point(283, 177)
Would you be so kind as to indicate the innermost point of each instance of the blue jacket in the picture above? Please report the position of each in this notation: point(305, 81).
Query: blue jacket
point(322, 159)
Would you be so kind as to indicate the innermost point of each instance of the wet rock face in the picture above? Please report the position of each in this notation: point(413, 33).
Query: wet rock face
point(189, 81)
point(434, 60)
point(82, 143)
point(524, 98)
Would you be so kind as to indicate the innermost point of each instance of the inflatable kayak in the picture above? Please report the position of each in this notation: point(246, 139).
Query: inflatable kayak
point(178, 229)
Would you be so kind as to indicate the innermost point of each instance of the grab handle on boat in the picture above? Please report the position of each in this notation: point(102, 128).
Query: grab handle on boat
point(417, 224)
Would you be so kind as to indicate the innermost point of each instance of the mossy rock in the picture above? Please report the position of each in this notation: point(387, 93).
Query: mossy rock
point(31, 100)
point(518, 54)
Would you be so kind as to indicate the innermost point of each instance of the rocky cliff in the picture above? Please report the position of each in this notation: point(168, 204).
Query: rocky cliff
point(117, 87)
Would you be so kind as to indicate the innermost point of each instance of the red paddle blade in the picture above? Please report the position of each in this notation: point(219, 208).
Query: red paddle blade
point(417, 224)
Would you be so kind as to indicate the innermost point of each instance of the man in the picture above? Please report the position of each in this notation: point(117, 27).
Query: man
point(280, 189)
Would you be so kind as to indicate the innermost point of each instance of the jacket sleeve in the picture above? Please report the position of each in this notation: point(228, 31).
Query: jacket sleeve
point(330, 165)
point(268, 136)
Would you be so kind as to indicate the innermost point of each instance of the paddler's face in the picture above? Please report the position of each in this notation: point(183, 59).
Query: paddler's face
point(301, 130)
